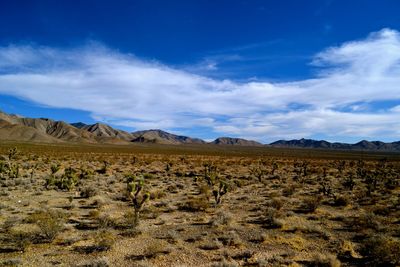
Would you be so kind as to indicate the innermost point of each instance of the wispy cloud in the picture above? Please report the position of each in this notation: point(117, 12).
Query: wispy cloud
point(124, 90)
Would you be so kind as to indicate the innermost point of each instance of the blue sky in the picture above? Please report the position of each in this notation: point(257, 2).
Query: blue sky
point(263, 70)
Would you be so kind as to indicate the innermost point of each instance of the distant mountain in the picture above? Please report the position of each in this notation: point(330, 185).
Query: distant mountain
point(161, 137)
point(18, 128)
point(78, 125)
point(362, 145)
point(235, 142)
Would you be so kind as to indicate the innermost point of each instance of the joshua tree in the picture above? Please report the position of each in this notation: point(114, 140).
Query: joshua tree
point(349, 182)
point(12, 153)
point(134, 188)
point(258, 171)
point(220, 191)
point(103, 169)
point(210, 174)
point(218, 186)
point(340, 166)
point(68, 180)
point(274, 167)
point(51, 179)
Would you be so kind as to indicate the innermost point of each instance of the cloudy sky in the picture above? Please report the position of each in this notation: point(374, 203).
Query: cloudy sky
point(252, 69)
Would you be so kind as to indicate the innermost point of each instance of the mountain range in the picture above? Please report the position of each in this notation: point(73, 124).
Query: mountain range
point(18, 128)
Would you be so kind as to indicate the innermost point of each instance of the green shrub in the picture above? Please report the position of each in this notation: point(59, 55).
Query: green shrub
point(50, 224)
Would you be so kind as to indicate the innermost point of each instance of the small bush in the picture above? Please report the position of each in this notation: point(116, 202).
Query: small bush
point(276, 203)
point(104, 240)
point(101, 262)
point(270, 220)
point(194, 205)
point(324, 260)
point(310, 204)
point(11, 262)
point(222, 218)
point(382, 250)
point(50, 223)
point(88, 192)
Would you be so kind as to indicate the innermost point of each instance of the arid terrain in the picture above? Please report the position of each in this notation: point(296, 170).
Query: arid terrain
point(188, 205)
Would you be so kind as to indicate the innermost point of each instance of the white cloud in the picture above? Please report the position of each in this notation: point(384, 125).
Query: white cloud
point(125, 90)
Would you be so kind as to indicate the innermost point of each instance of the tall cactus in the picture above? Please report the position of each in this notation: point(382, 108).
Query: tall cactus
point(220, 191)
point(135, 190)
point(218, 186)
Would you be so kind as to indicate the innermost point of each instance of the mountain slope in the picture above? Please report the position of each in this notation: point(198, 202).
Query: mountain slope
point(50, 130)
point(161, 137)
point(235, 142)
point(103, 130)
point(15, 132)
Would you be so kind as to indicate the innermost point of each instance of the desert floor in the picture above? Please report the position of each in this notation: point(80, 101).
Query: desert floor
point(74, 206)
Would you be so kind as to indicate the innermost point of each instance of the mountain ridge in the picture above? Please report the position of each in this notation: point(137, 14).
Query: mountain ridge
point(322, 144)
point(18, 128)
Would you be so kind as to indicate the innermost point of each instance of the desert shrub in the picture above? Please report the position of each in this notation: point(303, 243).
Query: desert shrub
point(341, 200)
point(270, 219)
point(310, 204)
point(100, 262)
point(222, 218)
point(11, 262)
point(324, 260)
point(289, 190)
point(224, 263)
point(231, 239)
point(18, 241)
point(365, 221)
point(204, 190)
point(382, 250)
point(211, 245)
point(105, 221)
point(157, 194)
point(88, 191)
point(50, 223)
point(276, 203)
point(155, 249)
point(99, 201)
point(194, 205)
point(104, 240)
point(148, 176)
